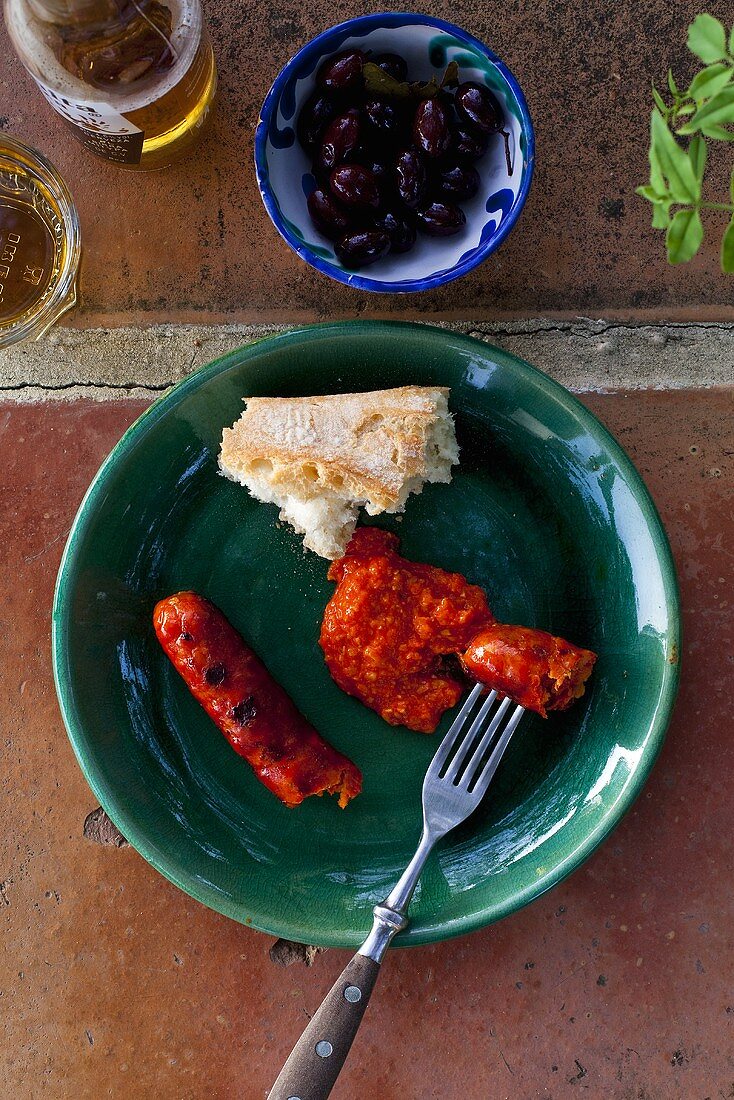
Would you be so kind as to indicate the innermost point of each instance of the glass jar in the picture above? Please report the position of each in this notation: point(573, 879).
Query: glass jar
point(39, 243)
point(134, 79)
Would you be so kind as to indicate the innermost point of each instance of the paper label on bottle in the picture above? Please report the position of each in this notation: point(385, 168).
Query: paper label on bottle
point(100, 128)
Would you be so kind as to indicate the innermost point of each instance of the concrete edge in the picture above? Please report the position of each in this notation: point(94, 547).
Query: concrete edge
point(584, 355)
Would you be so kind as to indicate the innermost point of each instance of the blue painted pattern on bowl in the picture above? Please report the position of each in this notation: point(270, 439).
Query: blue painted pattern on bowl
point(428, 45)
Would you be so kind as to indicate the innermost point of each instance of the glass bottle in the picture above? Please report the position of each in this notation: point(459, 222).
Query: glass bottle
point(134, 79)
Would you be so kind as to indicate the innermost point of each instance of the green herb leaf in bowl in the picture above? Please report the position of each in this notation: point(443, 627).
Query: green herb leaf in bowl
point(377, 81)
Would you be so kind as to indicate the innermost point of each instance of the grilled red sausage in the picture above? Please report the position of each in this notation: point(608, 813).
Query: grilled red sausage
point(253, 712)
point(535, 669)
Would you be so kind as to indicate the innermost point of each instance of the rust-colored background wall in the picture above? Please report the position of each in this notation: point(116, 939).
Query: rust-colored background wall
point(193, 242)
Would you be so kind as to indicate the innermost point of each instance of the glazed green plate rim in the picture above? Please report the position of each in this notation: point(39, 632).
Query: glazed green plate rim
point(114, 804)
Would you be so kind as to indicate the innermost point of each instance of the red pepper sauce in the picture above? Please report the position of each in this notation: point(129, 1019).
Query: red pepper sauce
point(254, 713)
point(388, 625)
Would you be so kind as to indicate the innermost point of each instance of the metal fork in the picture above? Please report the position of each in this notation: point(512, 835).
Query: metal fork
point(452, 789)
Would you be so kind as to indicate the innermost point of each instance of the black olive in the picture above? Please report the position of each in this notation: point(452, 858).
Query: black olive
point(478, 108)
point(373, 160)
point(388, 166)
point(382, 116)
point(399, 227)
point(342, 71)
point(440, 219)
point(468, 144)
point(392, 64)
point(410, 176)
point(355, 185)
point(314, 117)
point(326, 214)
point(340, 138)
point(431, 131)
point(362, 247)
point(457, 181)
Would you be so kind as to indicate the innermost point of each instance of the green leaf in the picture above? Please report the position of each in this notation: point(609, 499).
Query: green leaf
point(425, 91)
point(659, 102)
point(673, 162)
point(716, 111)
point(657, 179)
point(686, 109)
point(727, 250)
point(651, 194)
point(698, 152)
point(450, 78)
point(685, 234)
point(376, 80)
point(660, 206)
point(433, 87)
point(707, 38)
point(672, 84)
point(718, 133)
point(660, 216)
point(731, 41)
point(379, 82)
point(710, 81)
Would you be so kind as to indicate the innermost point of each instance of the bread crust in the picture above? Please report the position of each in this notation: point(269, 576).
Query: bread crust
point(364, 446)
point(321, 458)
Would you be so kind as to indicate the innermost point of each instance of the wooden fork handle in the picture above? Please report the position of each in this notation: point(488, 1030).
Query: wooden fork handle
point(318, 1056)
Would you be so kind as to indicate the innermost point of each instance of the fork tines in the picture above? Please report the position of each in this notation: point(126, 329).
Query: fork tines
point(477, 739)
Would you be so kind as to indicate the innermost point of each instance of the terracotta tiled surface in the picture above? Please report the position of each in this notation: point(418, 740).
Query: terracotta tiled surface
point(194, 242)
point(619, 982)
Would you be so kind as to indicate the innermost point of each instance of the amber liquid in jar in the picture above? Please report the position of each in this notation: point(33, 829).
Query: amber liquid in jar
point(39, 246)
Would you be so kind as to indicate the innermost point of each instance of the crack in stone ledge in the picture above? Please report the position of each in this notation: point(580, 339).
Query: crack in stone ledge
point(53, 388)
point(583, 354)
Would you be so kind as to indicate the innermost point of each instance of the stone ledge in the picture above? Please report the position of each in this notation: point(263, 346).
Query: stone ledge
point(584, 355)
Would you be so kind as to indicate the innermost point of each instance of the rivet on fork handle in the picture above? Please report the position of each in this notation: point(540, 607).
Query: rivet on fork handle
point(320, 1053)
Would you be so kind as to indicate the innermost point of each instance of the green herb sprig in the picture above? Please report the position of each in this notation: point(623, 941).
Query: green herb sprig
point(702, 113)
point(381, 83)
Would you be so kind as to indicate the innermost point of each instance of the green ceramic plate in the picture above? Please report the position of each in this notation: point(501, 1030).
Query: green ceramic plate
point(545, 512)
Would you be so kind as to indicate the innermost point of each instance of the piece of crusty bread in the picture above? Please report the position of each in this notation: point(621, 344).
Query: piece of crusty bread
point(320, 458)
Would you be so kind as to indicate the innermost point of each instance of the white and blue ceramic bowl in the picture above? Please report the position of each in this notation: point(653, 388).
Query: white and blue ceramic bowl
point(427, 44)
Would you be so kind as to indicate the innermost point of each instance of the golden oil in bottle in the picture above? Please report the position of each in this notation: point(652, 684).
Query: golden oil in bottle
point(135, 80)
point(172, 122)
